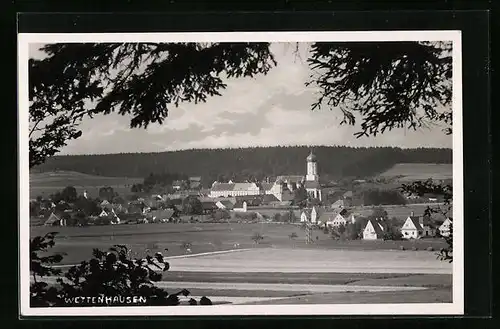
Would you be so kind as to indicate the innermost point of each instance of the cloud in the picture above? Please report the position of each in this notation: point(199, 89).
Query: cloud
point(272, 109)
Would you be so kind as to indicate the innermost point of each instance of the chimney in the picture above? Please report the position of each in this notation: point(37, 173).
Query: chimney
point(412, 214)
point(421, 221)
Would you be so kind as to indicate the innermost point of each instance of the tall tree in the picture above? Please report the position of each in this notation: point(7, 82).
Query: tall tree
point(107, 193)
point(69, 194)
point(386, 85)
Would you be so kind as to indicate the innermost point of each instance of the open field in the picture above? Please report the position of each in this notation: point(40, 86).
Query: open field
point(419, 171)
point(277, 271)
point(399, 211)
point(78, 242)
point(46, 183)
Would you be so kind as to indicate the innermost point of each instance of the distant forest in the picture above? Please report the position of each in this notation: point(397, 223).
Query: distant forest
point(334, 162)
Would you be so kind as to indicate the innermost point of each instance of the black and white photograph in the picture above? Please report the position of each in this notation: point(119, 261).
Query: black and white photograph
point(263, 173)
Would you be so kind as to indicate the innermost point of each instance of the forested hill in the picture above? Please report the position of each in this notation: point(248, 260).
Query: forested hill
point(333, 162)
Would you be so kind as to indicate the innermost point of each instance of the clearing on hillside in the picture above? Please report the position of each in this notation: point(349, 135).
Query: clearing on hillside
point(419, 171)
point(47, 183)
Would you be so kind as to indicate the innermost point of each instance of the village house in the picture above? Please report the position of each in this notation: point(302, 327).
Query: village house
point(232, 189)
point(54, 220)
point(416, 227)
point(444, 228)
point(342, 217)
point(305, 215)
point(373, 230)
point(240, 206)
point(312, 215)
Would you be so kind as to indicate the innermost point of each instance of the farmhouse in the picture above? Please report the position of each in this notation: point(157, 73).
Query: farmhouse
point(373, 230)
point(53, 220)
point(444, 229)
point(416, 227)
point(342, 218)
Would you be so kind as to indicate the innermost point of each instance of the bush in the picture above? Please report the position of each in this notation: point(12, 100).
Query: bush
point(257, 237)
point(402, 248)
point(414, 248)
point(430, 249)
point(112, 273)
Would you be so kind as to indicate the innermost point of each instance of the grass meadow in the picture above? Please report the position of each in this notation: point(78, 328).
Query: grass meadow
point(44, 184)
point(406, 172)
point(78, 242)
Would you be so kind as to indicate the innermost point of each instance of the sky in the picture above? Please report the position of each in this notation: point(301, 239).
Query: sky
point(267, 110)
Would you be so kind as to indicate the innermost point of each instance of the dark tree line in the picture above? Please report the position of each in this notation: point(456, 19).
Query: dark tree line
point(245, 163)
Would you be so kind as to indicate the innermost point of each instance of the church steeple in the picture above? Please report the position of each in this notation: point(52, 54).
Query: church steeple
point(312, 167)
point(311, 157)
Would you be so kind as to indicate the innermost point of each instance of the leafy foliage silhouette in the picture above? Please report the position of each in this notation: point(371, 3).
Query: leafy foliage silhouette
point(142, 80)
point(446, 191)
point(112, 273)
point(388, 84)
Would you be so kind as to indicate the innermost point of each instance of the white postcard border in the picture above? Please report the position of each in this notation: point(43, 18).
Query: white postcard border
point(454, 308)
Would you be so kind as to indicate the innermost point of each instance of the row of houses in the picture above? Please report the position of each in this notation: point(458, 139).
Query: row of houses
point(414, 227)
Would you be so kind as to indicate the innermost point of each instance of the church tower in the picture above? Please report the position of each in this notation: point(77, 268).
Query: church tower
point(312, 168)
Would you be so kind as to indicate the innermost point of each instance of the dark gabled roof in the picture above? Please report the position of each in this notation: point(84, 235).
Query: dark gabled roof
point(424, 220)
point(226, 203)
point(269, 198)
point(416, 223)
point(250, 199)
point(223, 187)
